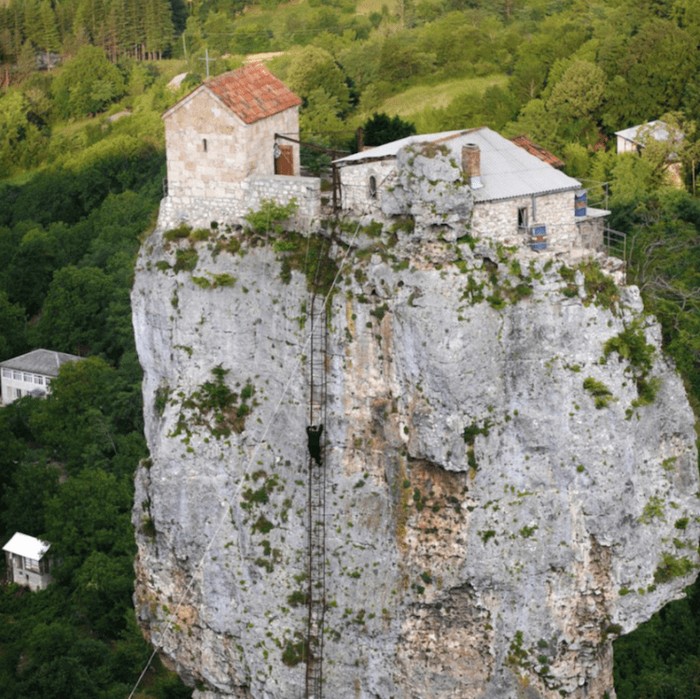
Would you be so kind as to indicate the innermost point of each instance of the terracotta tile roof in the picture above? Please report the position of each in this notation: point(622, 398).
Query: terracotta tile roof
point(253, 93)
point(539, 152)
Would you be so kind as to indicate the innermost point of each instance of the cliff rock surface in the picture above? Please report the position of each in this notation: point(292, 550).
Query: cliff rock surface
point(510, 459)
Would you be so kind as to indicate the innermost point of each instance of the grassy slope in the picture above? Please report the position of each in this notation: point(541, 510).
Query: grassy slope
point(414, 100)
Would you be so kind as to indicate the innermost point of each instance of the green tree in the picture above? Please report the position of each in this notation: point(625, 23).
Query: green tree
point(313, 69)
point(75, 312)
point(652, 75)
point(31, 269)
point(103, 587)
point(158, 28)
point(49, 39)
point(87, 84)
point(579, 92)
point(381, 128)
point(319, 122)
point(76, 415)
point(21, 141)
point(33, 483)
point(12, 328)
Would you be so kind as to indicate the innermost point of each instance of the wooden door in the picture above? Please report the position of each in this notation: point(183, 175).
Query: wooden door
point(284, 163)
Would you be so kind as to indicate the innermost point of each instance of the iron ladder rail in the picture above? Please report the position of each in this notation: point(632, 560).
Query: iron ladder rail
point(316, 595)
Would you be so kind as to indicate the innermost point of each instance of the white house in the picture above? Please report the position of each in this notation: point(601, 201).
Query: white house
point(513, 196)
point(27, 562)
point(31, 374)
point(232, 143)
point(635, 138)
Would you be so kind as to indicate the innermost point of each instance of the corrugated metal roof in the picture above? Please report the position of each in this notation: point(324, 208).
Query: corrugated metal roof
point(26, 546)
point(40, 361)
point(507, 171)
point(657, 129)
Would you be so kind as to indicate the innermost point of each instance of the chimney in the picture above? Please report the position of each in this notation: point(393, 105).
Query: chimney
point(471, 164)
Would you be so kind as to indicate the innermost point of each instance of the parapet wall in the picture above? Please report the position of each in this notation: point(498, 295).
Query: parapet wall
point(243, 197)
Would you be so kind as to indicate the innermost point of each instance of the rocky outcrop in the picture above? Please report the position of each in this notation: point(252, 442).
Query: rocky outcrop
point(430, 186)
point(512, 476)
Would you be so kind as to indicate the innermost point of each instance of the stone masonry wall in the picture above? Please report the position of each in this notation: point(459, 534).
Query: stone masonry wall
point(495, 220)
point(239, 199)
point(354, 182)
point(498, 220)
point(234, 151)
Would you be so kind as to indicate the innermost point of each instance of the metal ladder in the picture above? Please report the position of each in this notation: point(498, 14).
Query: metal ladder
point(316, 595)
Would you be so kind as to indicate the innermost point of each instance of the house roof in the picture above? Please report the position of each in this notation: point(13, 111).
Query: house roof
point(507, 170)
point(657, 129)
point(26, 546)
point(40, 361)
point(252, 93)
point(539, 152)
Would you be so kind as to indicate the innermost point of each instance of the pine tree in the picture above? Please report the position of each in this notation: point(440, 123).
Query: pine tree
point(158, 27)
point(50, 39)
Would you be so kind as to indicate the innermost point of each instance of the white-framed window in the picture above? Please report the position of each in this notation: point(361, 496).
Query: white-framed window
point(17, 375)
point(7, 373)
point(27, 377)
point(18, 391)
point(39, 380)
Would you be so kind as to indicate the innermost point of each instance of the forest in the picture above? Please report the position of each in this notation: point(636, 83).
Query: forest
point(82, 86)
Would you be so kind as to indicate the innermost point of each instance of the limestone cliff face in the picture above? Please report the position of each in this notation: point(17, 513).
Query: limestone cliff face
point(512, 477)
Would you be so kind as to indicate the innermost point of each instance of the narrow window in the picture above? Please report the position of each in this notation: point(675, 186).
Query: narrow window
point(522, 217)
point(204, 145)
point(372, 187)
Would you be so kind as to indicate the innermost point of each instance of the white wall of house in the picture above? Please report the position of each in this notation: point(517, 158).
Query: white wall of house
point(28, 572)
point(209, 148)
point(16, 384)
point(624, 145)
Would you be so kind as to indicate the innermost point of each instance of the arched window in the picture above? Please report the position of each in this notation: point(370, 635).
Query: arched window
point(372, 187)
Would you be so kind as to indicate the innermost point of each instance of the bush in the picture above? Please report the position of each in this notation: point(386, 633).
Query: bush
point(271, 217)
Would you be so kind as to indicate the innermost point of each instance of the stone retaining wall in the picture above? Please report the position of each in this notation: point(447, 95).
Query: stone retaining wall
point(242, 198)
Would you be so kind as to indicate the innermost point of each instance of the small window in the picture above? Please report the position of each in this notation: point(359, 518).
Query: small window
point(27, 378)
point(7, 373)
point(204, 145)
point(17, 375)
point(39, 380)
point(19, 392)
point(372, 187)
point(522, 217)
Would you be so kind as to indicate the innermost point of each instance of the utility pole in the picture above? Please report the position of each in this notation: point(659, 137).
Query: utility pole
point(207, 59)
